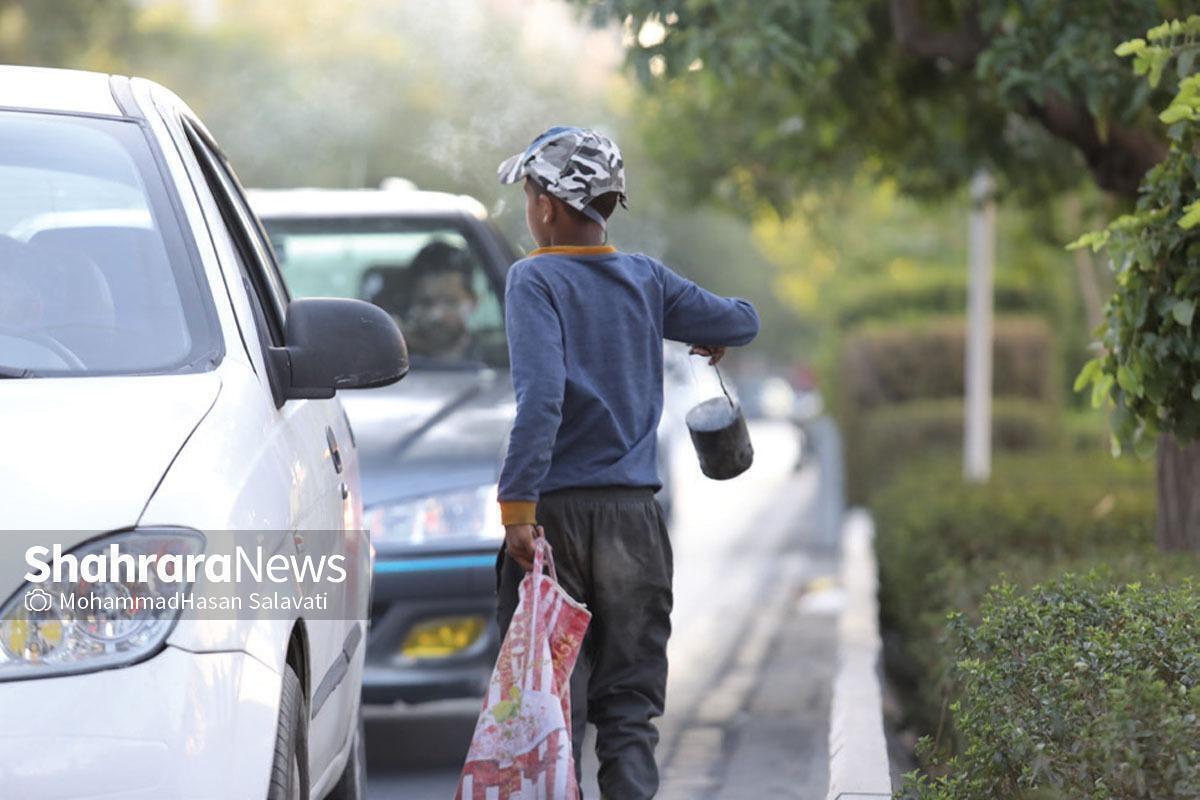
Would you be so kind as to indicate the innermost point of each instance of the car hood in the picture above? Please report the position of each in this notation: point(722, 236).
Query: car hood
point(84, 455)
point(434, 430)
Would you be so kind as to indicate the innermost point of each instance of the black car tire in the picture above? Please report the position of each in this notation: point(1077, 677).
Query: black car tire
point(289, 773)
point(353, 783)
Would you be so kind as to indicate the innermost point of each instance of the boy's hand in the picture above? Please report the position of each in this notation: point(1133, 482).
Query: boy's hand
point(518, 543)
point(714, 352)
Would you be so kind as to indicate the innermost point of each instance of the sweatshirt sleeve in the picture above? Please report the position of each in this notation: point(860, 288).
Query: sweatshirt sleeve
point(695, 315)
point(535, 345)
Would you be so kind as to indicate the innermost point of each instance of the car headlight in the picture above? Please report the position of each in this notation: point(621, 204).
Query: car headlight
point(74, 624)
point(464, 514)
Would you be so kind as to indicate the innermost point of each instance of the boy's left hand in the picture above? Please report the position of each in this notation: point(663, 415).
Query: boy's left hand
point(518, 543)
point(714, 352)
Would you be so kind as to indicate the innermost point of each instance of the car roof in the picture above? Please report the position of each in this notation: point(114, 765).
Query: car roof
point(311, 203)
point(62, 90)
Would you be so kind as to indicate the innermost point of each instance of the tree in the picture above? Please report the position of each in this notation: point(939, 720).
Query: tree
point(1150, 369)
point(920, 91)
point(924, 92)
point(64, 33)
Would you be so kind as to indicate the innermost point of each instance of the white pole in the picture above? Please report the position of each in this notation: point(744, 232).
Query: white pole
point(977, 439)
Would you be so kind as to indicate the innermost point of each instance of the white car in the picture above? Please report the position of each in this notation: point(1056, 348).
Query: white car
point(162, 394)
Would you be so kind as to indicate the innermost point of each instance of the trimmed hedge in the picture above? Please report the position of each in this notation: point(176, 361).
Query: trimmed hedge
point(943, 543)
point(888, 364)
point(929, 293)
point(1075, 690)
point(891, 436)
point(900, 375)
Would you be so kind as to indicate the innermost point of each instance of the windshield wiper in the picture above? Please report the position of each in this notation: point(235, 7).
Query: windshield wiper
point(15, 372)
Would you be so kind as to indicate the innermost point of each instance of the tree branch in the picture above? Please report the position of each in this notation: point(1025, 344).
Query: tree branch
point(959, 47)
point(1118, 163)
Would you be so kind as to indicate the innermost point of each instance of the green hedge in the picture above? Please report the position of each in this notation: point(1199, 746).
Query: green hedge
point(1075, 690)
point(900, 393)
point(898, 363)
point(891, 436)
point(942, 544)
point(931, 293)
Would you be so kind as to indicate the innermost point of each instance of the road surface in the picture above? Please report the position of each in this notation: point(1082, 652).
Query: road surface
point(738, 566)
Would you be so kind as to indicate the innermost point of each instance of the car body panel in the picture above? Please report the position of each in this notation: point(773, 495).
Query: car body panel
point(63, 90)
point(436, 431)
point(180, 725)
point(113, 476)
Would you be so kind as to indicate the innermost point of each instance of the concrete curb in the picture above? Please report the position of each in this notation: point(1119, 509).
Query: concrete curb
point(858, 760)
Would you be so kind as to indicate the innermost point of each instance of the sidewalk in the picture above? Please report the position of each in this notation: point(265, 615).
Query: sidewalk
point(763, 727)
point(780, 742)
point(755, 648)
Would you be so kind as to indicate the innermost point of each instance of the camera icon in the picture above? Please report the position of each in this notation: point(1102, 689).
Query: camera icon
point(38, 600)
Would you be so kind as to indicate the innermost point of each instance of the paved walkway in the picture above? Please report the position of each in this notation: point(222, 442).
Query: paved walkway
point(756, 627)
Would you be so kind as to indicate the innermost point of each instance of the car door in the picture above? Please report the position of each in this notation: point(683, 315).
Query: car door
point(314, 433)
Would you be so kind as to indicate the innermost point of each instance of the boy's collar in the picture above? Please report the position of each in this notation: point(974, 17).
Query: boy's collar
point(574, 250)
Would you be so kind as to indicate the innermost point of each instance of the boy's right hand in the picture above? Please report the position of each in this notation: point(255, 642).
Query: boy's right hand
point(714, 352)
point(518, 543)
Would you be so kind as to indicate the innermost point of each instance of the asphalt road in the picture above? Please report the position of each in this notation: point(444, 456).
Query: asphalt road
point(733, 559)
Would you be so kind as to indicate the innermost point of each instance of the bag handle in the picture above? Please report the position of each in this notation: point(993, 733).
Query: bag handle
point(542, 557)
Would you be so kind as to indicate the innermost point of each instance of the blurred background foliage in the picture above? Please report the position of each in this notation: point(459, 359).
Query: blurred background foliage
point(440, 93)
point(309, 93)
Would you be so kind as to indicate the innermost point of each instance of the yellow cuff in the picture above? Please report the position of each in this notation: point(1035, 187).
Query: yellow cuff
point(518, 512)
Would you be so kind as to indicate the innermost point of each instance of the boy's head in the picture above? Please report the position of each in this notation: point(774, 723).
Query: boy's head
point(574, 179)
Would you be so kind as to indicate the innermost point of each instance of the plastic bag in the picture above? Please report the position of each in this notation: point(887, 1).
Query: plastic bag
point(522, 742)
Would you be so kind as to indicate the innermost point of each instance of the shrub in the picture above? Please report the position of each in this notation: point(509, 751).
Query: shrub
point(929, 293)
point(886, 364)
point(1075, 690)
point(942, 543)
point(891, 436)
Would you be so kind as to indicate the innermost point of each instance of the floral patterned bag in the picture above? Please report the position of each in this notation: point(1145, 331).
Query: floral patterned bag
point(522, 743)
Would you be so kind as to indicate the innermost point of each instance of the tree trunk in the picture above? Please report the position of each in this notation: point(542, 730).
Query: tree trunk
point(1178, 525)
point(1085, 267)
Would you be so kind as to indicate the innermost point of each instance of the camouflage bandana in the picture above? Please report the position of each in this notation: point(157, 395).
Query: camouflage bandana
point(576, 165)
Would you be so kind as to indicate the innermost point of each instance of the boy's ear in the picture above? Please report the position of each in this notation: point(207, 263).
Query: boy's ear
point(547, 208)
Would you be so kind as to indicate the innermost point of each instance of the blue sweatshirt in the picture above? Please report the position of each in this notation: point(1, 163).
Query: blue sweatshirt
point(585, 335)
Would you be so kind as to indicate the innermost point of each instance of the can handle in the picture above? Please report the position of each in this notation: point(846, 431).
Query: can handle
point(720, 379)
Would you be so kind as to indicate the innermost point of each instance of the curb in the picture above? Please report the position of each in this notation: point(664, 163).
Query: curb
point(858, 760)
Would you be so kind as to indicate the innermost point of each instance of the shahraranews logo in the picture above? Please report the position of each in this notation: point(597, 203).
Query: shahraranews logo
point(112, 565)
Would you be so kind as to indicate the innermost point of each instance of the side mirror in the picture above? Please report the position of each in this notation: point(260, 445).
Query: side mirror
point(336, 343)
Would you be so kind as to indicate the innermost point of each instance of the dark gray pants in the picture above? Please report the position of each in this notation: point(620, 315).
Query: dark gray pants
point(612, 552)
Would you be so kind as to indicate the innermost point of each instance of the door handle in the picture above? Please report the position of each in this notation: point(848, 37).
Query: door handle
point(335, 454)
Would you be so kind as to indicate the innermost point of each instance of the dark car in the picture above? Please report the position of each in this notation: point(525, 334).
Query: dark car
point(431, 447)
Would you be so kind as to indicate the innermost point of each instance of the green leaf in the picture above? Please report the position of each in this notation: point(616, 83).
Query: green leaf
point(1176, 112)
point(1186, 59)
point(1191, 216)
point(1101, 389)
point(1128, 380)
point(1183, 311)
point(1087, 374)
point(1130, 48)
point(1196, 390)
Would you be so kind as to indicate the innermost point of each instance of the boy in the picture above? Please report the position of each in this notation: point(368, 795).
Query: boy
point(585, 330)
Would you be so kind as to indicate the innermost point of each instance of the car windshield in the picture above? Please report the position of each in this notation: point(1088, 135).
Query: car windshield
point(95, 278)
point(427, 274)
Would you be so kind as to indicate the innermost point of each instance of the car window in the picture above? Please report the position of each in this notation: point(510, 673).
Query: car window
point(254, 256)
point(428, 274)
point(96, 276)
